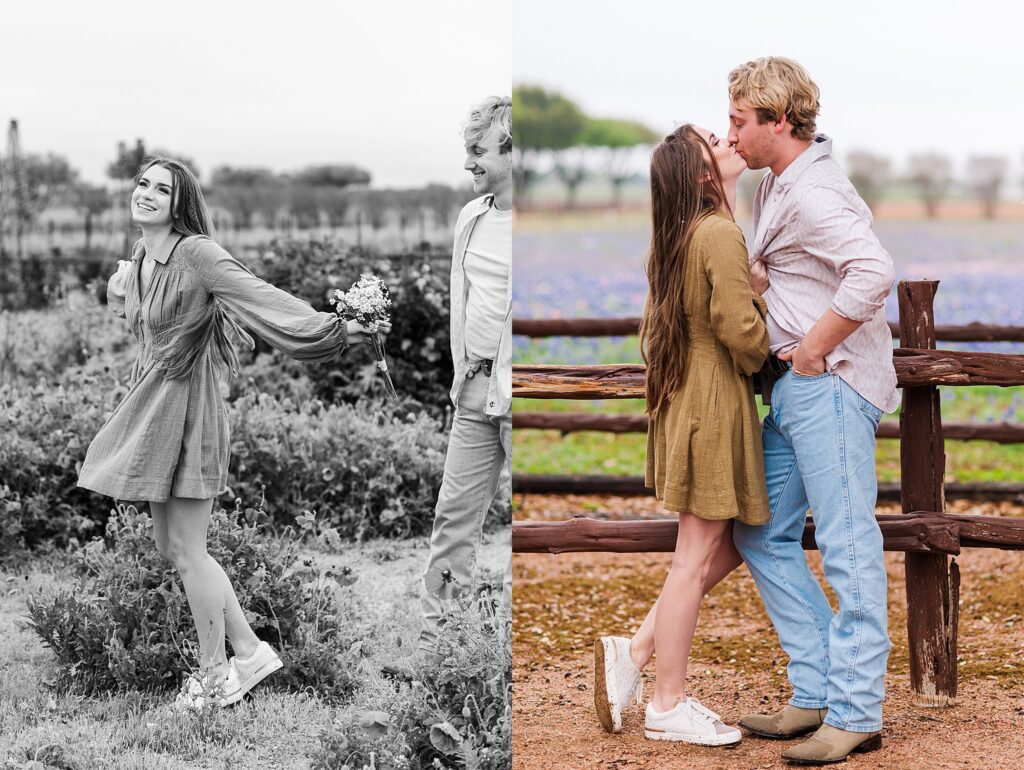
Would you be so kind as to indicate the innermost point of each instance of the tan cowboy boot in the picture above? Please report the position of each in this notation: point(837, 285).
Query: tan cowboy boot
point(790, 722)
point(830, 745)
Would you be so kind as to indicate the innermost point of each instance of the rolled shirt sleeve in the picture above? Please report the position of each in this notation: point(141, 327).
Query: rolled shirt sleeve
point(836, 232)
point(285, 322)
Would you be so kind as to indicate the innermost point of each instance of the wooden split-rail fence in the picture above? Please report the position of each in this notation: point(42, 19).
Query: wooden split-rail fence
point(925, 531)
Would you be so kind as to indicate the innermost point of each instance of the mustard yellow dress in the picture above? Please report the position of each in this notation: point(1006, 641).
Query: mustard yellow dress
point(704, 453)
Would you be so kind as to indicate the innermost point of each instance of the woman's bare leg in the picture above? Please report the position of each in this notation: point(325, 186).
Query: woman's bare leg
point(675, 620)
point(179, 528)
point(726, 559)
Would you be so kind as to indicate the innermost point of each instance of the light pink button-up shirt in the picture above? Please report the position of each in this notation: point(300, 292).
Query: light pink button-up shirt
point(814, 233)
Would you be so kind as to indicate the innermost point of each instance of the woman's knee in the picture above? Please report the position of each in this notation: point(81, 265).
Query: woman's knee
point(183, 554)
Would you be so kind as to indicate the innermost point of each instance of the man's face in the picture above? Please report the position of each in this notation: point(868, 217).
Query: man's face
point(755, 142)
point(492, 170)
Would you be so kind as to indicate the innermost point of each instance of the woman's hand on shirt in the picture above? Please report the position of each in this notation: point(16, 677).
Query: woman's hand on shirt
point(759, 276)
point(357, 332)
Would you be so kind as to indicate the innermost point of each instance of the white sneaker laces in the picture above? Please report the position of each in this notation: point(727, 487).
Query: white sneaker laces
point(697, 706)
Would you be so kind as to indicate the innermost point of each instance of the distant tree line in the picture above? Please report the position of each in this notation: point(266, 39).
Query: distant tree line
point(552, 134)
point(555, 138)
point(315, 196)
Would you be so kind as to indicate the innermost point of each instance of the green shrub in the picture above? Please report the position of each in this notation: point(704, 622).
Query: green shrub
point(125, 624)
point(364, 471)
point(418, 345)
point(368, 473)
point(457, 714)
point(44, 434)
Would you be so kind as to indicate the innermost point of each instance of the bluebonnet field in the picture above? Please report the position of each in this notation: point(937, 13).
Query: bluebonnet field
point(595, 268)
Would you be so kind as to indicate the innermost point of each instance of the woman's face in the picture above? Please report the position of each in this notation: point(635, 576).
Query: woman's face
point(729, 161)
point(151, 199)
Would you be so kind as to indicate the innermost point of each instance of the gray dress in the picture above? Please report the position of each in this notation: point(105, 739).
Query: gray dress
point(168, 437)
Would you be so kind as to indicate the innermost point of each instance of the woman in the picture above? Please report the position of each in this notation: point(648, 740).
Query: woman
point(166, 442)
point(702, 335)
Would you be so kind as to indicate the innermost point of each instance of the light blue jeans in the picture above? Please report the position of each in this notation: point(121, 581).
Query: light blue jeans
point(819, 452)
point(477, 451)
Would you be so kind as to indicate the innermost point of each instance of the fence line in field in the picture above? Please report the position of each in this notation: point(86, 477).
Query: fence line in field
point(925, 532)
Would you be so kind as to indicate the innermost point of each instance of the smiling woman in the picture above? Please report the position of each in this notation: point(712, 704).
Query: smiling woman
point(166, 441)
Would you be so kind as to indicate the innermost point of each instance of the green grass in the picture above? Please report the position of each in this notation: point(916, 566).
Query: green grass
point(547, 452)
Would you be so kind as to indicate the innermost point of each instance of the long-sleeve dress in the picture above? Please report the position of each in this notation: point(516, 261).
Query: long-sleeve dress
point(168, 437)
point(704, 452)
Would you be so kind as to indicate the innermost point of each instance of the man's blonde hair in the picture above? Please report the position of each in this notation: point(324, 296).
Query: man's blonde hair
point(495, 110)
point(777, 87)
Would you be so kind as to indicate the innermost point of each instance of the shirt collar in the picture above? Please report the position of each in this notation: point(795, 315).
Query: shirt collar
point(821, 147)
point(163, 253)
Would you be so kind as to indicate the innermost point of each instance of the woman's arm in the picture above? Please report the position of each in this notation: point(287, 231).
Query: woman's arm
point(737, 314)
point(283, 321)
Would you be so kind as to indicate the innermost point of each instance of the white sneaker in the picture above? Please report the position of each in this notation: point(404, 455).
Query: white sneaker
point(198, 693)
point(617, 680)
point(689, 722)
point(254, 669)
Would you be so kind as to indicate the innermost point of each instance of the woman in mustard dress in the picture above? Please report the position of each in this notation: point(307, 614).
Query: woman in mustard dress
point(166, 441)
point(702, 335)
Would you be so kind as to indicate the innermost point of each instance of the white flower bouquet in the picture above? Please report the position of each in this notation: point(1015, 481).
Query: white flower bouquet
point(367, 302)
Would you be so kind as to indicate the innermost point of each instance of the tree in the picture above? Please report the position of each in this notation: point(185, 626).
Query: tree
point(337, 176)
point(90, 200)
point(541, 120)
point(617, 140)
point(46, 176)
point(571, 168)
point(126, 165)
point(985, 176)
point(127, 162)
point(246, 192)
point(323, 189)
point(930, 173)
point(869, 173)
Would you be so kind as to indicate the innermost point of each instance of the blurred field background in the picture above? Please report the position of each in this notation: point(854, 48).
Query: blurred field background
point(582, 234)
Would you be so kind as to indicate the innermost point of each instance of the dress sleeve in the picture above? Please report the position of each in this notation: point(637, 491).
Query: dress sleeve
point(737, 314)
point(115, 303)
point(285, 322)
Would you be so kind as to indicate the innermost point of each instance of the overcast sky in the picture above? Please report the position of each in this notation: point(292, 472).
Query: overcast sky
point(383, 84)
point(895, 77)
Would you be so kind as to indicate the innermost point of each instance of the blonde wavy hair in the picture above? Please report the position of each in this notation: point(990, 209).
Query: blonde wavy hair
point(775, 86)
point(495, 110)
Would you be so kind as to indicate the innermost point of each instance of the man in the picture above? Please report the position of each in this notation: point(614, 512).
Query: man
point(825, 278)
point(481, 340)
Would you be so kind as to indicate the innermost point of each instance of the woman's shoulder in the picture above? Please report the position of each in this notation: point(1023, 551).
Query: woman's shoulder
point(717, 231)
point(201, 248)
point(717, 226)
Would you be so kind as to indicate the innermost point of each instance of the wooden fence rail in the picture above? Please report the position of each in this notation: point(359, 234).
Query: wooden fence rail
point(573, 422)
point(924, 531)
point(917, 532)
point(633, 486)
point(627, 327)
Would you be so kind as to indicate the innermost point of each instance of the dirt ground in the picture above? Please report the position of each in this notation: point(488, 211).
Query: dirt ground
point(562, 603)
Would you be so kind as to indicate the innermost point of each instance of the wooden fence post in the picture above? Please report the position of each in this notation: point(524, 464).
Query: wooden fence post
point(933, 583)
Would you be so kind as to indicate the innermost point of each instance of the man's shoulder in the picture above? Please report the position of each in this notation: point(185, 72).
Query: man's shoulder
point(825, 183)
point(474, 208)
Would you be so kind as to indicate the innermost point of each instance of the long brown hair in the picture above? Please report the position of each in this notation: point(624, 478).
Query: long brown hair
point(211, 330)
point(686, 186)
